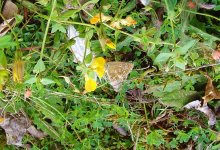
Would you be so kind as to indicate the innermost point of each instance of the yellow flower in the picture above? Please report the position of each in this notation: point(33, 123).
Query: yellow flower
point(116, 24)
point(98, 65)
point(90, 85)
point(110, 44)
point(18, 71)
point(128, 21)
point(98, 17)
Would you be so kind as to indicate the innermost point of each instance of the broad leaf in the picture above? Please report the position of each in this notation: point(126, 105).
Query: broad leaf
point(39, 67)
point(163, 57)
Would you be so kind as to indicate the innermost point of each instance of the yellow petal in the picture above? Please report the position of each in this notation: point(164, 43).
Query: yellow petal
point(90, 85)
point(98, 62)
point(130, 21)
point(100, 71)
point(2, 119)
point(110, 44)
point(18, 71)
point(95, 19)
point(116, 24)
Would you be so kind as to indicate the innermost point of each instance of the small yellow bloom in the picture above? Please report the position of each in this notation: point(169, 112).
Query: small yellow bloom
point(110, 44)
point(18, 71)
point(98, 17)
point(90, 85)
point(130, 21)
point(98, 65)
point(116, 24)
point(100, 71)
point(2, 119)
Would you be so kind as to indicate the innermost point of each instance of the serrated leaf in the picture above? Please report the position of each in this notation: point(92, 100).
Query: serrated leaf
point(39, 67)
point(155, 138)
point(46, 81)
point(58, 27)
point(162, 57)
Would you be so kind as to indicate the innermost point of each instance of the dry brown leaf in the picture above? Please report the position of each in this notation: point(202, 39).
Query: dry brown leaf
point(216, 55)
point(205, 109)
point(16, 126)
point(210, 91)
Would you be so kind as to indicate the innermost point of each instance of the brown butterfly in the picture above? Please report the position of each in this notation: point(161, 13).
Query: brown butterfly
point(117, 72)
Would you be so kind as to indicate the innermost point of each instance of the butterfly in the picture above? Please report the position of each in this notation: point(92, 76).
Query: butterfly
point(117, 72)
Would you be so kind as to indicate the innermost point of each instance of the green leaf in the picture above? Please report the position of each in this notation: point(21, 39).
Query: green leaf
point(180, 63)
point(31, 80)
point(162, 57)
point(3, 60)
point(46, 81)
point(39, 67)
point(155, 138)
point(88, 58)
point(184, 49)
point(128, 7)
point(6, 41)
point(58, 27)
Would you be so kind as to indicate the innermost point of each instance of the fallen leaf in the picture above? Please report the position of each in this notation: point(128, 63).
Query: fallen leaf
point(205, 109)
point(145, 2)
point(9, 10)
point(16, 126)
point(6, 26)
point(210, 91)
point(216, 55)
point(120, 130)
point(207, 6)
point(79, 49)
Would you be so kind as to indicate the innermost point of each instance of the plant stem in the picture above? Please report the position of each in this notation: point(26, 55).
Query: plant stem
point(47, 28)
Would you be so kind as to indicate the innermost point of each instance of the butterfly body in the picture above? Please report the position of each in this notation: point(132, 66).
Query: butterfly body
point(117, 72)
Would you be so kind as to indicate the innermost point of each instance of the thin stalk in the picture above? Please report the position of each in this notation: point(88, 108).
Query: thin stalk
point(47, 28)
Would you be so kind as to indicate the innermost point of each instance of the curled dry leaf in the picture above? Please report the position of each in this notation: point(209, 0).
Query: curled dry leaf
point(9, 10)
point(205, 109)
point(207, 6)
point(6, 25)
point(120, 129)
point(16, 126)
point(79, 48)
point(210, 91)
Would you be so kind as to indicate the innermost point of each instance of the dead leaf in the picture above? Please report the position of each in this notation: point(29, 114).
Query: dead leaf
point(79, 49)
point(6, 26)
point(216, 55)
point(210, 91)
point(9, 10)
point(16, 126)
point(120, 129)
point(207, 6)
point(205, 109)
